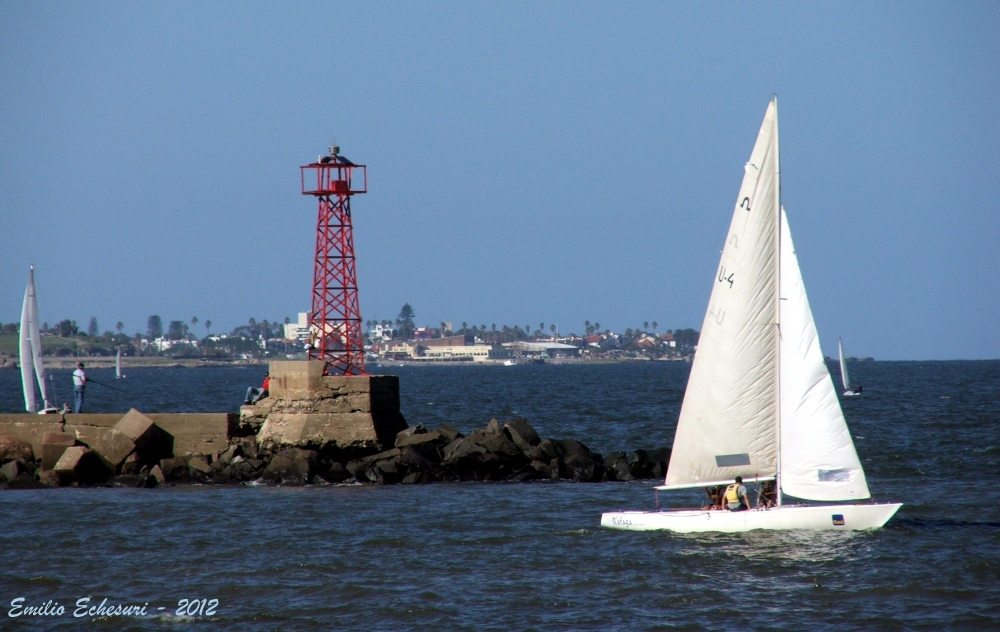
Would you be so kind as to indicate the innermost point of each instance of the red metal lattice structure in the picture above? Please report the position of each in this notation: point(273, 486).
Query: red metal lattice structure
point(335, 328)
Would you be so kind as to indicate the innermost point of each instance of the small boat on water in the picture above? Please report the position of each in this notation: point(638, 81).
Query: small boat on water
point(760, 403)
point(30, 352)
point(118, 365)
point(510, 363)
point(844, 379)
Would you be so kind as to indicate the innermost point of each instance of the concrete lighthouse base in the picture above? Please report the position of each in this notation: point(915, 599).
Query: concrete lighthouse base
point(307, 409)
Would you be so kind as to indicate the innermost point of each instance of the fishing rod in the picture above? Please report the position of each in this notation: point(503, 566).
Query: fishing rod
point(105, 385)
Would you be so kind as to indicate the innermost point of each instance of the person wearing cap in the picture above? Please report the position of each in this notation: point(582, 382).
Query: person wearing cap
point(735, 498)
point(79, 385)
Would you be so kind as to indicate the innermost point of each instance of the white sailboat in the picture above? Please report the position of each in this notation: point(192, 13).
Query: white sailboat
point(118, 364)
point(760, 402)
point(31, 352)
point(844, 379)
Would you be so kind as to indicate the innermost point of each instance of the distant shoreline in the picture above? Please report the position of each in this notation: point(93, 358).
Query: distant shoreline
point(144, 362)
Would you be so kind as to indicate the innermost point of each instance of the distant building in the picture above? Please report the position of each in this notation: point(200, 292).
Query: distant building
point(378, 333)
point(450, 341)
point(546, 349)
point(298, 331)
point(462, 353)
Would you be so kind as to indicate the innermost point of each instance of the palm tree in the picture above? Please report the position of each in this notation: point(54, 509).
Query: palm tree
point(552, 328)
point(654, 326)
point(208, 327)
point(586, 327)
point(119, 327)
point(645, 326)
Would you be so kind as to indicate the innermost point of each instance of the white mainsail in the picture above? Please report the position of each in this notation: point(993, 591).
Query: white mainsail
point(118, 364)
point(31, 349)
point(818, 459)
point(846, 381)
point(728, 421)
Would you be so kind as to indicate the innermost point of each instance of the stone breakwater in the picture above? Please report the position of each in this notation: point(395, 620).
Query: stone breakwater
point(136, 452)
point(312, 428)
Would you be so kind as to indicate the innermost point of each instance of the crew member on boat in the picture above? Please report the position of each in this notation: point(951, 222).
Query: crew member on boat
point(735, 498)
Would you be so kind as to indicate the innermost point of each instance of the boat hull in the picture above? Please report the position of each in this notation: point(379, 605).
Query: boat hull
point(787, 517)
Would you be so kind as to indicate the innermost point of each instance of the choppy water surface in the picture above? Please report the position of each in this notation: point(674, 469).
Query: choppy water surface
point(525, 556)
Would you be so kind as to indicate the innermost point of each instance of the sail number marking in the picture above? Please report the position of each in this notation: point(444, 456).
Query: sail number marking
point(745, 203)
point(723, 278)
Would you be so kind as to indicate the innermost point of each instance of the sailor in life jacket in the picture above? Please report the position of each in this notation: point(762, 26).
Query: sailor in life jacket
point(735, 498)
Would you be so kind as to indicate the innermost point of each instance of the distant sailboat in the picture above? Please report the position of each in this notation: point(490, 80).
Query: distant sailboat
point(31, 352)
point(118, 365)
point(844, 378)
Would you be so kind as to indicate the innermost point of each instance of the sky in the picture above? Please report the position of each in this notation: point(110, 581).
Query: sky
point(527, 162)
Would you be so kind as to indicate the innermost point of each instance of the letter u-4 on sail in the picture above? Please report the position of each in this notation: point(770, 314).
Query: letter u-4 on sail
point(760, 403)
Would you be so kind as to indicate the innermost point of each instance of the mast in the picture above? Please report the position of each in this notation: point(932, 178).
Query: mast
point(777, 311)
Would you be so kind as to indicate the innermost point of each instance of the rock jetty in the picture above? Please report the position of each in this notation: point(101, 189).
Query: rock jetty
point(135, 452)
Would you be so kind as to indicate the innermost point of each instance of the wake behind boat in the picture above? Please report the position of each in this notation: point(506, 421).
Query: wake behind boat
point(760, 403)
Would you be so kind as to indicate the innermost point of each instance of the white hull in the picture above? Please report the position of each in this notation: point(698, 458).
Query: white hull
point(787, 517)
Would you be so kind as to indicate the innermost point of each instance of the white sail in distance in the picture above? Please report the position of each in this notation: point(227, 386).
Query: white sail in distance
point(846, 381)
point(728, 421)
point(31, 349)
point(818, 459)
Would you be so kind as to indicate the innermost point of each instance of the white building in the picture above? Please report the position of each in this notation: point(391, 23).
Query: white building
point(298, 331)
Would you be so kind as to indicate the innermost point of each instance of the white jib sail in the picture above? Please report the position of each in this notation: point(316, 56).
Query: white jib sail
point(31, 349)
point(845, 380)
point(118, 363)
point(818, 459)
point(727, 425)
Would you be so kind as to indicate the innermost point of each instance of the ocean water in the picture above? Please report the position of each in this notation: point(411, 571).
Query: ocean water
point(524, 556)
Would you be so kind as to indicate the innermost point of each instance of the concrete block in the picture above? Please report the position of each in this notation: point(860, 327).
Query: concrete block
point(90, 419)
point(80, 464)
point(345, 430)
point(111, 446)
point(53, 446)
point(196, 433)
point(295, 377)
point(150, 441)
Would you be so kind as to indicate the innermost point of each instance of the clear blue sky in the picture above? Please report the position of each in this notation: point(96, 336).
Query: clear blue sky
point(528, 162)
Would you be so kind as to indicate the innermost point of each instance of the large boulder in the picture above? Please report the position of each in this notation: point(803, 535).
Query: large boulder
point(544, 451)
point(291, 467)
point(10, 470)
point(503, 447)
point(617, 466)
point(13, 449)
point(175, 468)
point(423, 438)
point(53, 446)
point(461, 448)
point(79, 464)
point(521, 433)
point(414, 461)
point(448, 434)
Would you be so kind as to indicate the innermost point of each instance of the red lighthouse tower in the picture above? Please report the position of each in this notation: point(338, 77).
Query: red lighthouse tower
point(335, 331)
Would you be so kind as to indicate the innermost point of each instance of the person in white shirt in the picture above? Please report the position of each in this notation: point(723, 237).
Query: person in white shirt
point(79, 385)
